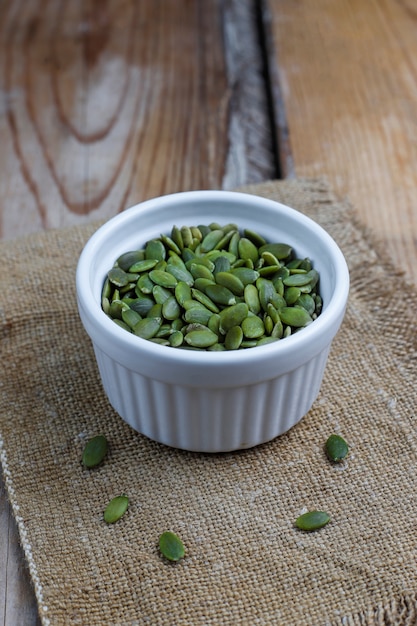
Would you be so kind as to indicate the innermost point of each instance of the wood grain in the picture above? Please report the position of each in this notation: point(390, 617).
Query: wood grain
point(348, 72)
point(105, 103)
point(17, 601)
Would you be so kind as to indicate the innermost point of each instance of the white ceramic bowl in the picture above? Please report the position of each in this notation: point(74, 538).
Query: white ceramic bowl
point(211, 401)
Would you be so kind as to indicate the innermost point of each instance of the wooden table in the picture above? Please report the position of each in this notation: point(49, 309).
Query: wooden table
point(104, 103)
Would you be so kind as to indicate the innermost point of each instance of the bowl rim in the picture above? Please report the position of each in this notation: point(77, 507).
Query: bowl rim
point(97, 323)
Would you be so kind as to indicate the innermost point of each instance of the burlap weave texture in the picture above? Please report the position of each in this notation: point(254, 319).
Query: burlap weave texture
point(245, 562)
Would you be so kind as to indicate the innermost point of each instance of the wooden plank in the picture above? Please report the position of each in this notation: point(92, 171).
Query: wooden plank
point(107, 103)
point(348, 72)
point(17, 600)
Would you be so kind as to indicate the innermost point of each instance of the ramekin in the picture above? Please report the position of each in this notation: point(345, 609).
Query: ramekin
point(211, 401)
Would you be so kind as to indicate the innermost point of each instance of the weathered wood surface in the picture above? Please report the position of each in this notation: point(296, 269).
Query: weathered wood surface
point(109, 102)
point(348, 72)
point(104, 103)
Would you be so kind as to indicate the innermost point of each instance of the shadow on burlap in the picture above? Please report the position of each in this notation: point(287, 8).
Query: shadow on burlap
point(246, 563)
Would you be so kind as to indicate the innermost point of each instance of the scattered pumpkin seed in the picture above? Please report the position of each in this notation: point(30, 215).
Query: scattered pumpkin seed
point(312, 520)
point(336, 448)
point(115, 509)
point(94, 451)
point(171, 546)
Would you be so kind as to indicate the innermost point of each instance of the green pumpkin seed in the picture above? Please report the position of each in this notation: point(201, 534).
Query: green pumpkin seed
point(115, 310)
point(313, 520)
point(268, 324)
point(247, 249)
point(220, 295)
point(202, 283)
point(234, 244)
point(251, 296)
point(294, 264)
point(180, 273)
point(221, 264)
point(233, 316)
point(164, 331)
point(198, 270)
point(105, 305)
point(291, 295)
point(171, 546)
point(268, 270)
point(142, 305)
point(214, 323)
point(224, 241)
point(131, 317)
point(294, 317)
point(176, 339)
point(94, 451)
point(118, 277)
point(253, 327)
point(107, 289)
point(170, 244)
point(171, 309)
point(273, 313)
point(115, 509)
point(319, 303)
point(187, 236)
point(162, 278)
point(234, 337)
point(143, 266)
point(182, 292)
point(199, 315)
point(176, 236)
point(201, 338)
point(245, 274)
point(155, 311)
point(197, 233)
point(264, 340)
point(205, 300)
point(266, 291)
point(211, 239)
point(270, 259)
point(307, 302)
point(155, 250)
point(144, 285)
point(126, 260)
point(254, 237)
point(280, 250)
point(306, 264)
point(336, 448)
point(278, 330)
point(161, 294)
point(230, 281)
point(297, 280)
point(148, 327)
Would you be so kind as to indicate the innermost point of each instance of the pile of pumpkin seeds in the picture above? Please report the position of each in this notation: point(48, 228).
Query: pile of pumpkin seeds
point(212, 287)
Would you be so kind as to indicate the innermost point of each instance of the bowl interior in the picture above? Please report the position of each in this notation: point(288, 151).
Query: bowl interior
point(275, 222)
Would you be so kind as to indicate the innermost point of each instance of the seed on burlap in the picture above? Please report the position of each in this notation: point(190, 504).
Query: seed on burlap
point(312, 520)
point(94, 451)
point(171, 546)
point(336, 448)
point(115, 509)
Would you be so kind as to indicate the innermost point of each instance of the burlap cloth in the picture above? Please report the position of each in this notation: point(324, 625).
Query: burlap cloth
point(246, 563)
